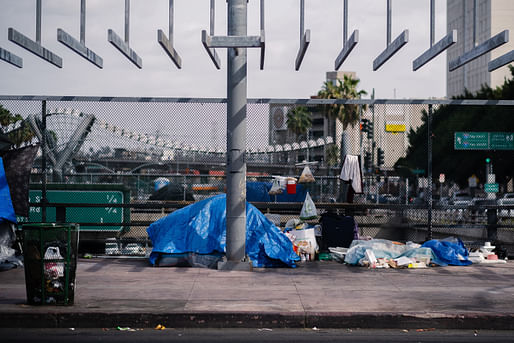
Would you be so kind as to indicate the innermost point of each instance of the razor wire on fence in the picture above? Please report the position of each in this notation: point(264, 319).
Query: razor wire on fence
point(115, 165)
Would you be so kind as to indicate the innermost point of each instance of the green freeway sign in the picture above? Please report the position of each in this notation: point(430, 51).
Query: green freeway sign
point(80, 214)
point(501, 140)
point(491, 188)
point(418, 171)
point(471, 141)
point(484, 140)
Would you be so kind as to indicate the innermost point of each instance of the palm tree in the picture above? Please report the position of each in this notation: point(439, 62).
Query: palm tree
point(299, 121)
point(347, 114)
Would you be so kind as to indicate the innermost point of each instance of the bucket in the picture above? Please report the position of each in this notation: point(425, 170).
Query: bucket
point(291, 187)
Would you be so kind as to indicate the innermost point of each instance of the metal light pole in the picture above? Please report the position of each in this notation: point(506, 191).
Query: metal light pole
point(236, 137)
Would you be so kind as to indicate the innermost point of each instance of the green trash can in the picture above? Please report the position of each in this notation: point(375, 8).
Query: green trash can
point(50, 256)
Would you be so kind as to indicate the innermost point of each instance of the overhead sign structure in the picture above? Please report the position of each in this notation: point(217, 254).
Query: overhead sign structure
point(167, 43)
point(348, 44)
point(395, 46)
point(443, 44)
point(35, 47)
point(80, 46)
point(11, 58)
point(484, 141)
point(124, 46)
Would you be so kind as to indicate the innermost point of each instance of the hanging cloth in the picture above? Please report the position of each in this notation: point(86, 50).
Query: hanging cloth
point(352, 172)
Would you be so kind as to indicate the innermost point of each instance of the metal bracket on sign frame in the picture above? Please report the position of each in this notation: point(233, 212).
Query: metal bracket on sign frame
point(348, 44)
point(305, 37)
point(167, 44)
point(123, 46)
point(437, 48)
point(481, 49)
point(80, 47)
point(392, 48)
point(210, 42)
point(11, 58)
point(35, 47)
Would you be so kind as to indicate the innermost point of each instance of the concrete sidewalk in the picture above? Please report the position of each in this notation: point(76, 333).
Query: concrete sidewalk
point(132, 293)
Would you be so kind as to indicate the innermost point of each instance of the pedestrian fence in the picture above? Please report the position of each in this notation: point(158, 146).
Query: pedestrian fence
point(115, 165)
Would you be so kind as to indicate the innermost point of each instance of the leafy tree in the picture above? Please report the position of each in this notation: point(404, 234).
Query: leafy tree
point(459, 165)
point(332, 155)
point(20, 135)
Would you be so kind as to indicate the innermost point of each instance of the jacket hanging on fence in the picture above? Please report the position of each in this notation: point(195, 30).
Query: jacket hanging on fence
point(352, 176)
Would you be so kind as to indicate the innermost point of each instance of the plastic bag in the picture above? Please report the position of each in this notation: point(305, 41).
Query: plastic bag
point(53, 270)
point(275, 188)
point(306, 176)
point(308, 209)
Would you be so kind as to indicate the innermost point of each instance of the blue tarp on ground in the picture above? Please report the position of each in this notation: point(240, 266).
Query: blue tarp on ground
point(6, 207)
point(449, 251)
point(258, 192)
point(201, 228)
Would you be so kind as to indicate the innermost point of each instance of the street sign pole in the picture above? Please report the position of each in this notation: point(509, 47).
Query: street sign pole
point(236, 135)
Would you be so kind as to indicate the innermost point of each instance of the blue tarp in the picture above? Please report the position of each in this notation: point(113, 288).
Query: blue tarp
point(6, 207)
point(258, 192)
point(450, 251)
point(201, 228)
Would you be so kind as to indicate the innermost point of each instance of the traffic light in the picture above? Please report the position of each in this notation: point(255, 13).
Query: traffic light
point(380, 156)
point(367, 160)
point(364, 125)
point(487, 160)
point(370, 130)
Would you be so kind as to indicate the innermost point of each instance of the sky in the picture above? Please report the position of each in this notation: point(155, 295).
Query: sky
point(198, 77)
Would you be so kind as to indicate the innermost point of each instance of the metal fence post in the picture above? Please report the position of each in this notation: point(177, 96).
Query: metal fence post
point(236, 134)
point(492, 225)
point(429, 173)
point(43, 162)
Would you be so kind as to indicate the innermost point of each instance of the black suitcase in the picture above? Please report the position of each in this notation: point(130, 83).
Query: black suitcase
point(337, 231)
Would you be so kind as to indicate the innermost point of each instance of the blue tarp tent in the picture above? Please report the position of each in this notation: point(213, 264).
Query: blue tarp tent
point(6, 207)
point(201, 228)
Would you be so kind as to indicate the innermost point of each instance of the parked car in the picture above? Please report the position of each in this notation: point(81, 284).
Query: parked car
point(133, 249)
point(390, 199)
point(112, 248)
point(460, 199)
point(506, 200)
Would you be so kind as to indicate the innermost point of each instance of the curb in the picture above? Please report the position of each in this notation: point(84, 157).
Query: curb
point(259, 320)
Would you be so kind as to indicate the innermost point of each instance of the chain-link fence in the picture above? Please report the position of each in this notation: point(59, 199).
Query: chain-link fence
point(430, 168)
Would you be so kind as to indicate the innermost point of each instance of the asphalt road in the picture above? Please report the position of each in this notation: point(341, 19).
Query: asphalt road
point(251, 335)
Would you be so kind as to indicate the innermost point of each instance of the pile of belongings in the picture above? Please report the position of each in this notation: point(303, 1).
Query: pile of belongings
point(381, 253)
point(196, 236)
